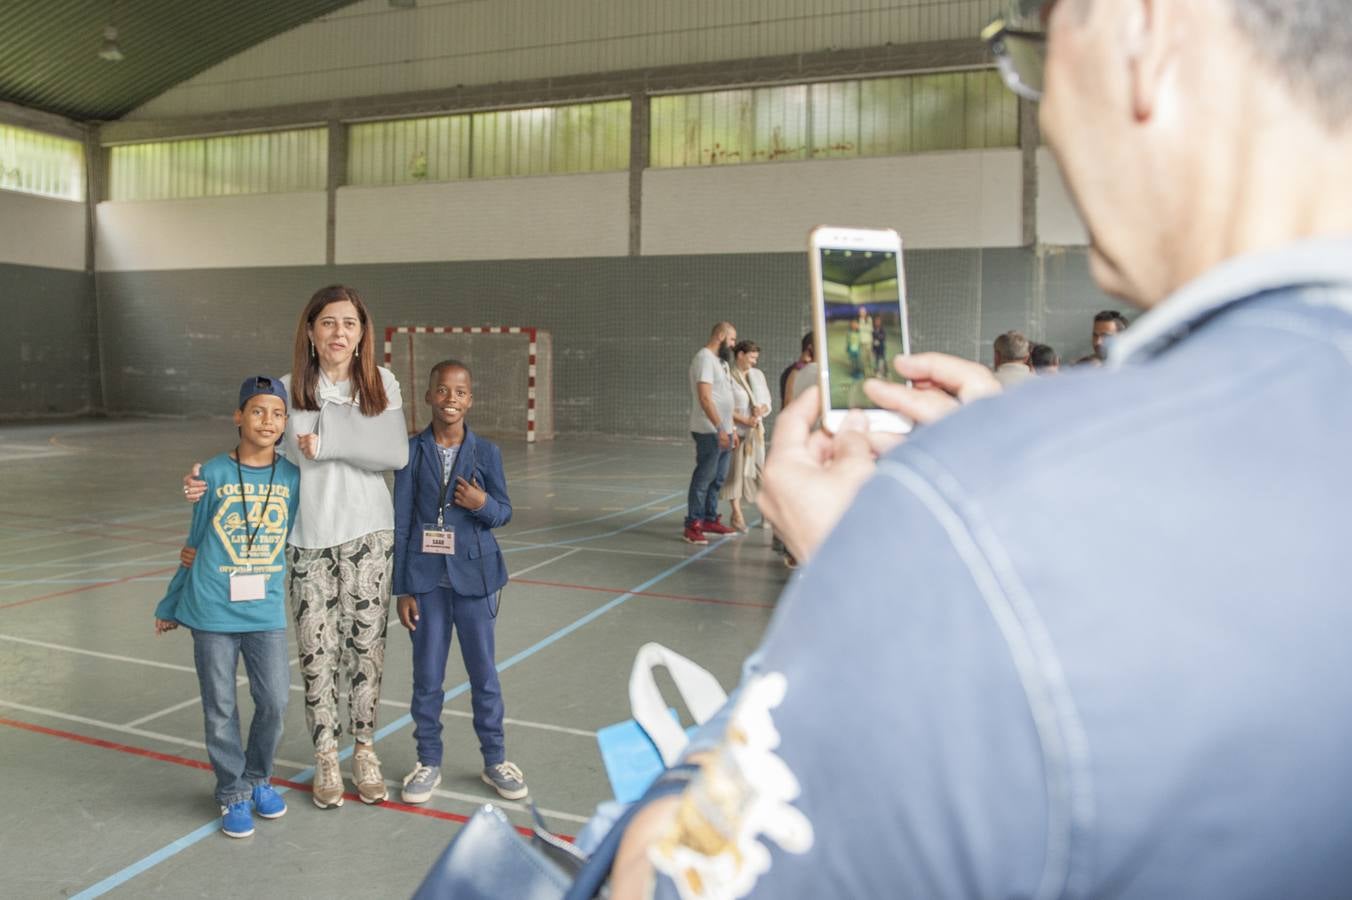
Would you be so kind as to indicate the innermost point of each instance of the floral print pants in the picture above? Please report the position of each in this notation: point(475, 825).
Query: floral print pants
point(340, 599)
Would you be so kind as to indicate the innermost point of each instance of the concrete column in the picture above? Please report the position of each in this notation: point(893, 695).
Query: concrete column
point(638, 161)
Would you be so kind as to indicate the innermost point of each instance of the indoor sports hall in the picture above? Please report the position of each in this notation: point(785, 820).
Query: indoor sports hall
point(566, 195)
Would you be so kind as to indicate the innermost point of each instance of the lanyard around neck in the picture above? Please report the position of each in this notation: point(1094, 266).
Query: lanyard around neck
point(239, 468)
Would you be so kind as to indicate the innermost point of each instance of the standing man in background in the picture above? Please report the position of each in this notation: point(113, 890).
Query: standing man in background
point(1012, 350)
point(1106, 324)
point(712, 428)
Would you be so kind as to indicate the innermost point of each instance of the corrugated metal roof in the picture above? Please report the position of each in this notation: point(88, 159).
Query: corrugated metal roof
point(49, 49)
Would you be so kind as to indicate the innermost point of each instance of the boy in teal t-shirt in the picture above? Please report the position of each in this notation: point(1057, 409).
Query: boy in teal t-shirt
point(231, 595)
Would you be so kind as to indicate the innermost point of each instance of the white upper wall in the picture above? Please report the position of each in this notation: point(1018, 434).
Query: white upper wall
point(954, 199)
point(40, 231)
point(370, 49)
point(212, 232)
point(544, 217)
point(1058, 222)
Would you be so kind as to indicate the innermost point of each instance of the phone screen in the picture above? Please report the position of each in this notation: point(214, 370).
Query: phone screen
point(862, 298)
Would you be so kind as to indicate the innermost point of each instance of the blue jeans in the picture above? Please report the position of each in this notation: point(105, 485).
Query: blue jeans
point(711, 470)
point(440, 613)
point(217, 656)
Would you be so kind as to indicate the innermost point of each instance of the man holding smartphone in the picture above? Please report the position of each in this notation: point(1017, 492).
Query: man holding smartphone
point(712, 428)
point(953, 700)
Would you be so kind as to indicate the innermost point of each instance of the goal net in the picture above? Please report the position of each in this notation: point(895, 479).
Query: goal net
point(513, 375)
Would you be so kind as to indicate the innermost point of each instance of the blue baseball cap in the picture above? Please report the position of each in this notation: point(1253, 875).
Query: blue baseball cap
point(261, 384)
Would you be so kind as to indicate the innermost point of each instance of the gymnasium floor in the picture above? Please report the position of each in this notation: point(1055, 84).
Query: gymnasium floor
point(106, 786)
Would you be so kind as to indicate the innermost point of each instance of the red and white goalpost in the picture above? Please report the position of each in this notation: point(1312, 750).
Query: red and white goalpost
point(513, 374)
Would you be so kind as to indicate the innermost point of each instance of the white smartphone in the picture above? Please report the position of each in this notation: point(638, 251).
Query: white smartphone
point(859, 320)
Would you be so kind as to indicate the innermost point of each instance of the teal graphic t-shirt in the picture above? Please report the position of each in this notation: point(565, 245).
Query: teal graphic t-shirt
point(236, 532)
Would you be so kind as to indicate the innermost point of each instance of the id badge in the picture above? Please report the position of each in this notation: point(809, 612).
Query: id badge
point(247, 586)
point(439, 540)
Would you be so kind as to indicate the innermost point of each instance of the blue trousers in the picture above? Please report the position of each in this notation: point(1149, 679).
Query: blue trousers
point(711, 470)
point(440, 613)
point(217, 655)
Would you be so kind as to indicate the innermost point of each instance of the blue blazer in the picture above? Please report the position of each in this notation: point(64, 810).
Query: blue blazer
point(476, 569)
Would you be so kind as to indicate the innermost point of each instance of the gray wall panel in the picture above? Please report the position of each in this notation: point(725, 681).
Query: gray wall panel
point(624, 328)
point(48, 342)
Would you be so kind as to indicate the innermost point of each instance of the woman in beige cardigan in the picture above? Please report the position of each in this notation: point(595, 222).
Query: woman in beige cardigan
point(750, 405)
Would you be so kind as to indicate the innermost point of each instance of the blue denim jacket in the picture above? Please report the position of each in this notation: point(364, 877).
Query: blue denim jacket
point(1088, 638)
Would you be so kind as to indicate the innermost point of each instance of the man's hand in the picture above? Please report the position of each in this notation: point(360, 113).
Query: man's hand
point(408, 612)
point(468, 495)
point(811, 478)
point(193, 485)
point(309, 445)
point(724, 440)
point(163, 625)
point(186, 556)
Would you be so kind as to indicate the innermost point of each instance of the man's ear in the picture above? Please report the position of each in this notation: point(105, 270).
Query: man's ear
point(1150, 31)
point(239, 417)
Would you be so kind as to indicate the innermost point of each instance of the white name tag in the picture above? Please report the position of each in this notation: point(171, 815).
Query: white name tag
point(247, 586)
point(438, 540)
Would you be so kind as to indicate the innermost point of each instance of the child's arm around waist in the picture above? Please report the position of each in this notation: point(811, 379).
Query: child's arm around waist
point(166, 610)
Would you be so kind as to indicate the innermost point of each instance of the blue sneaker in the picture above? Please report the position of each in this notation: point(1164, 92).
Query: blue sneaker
point(267, 802)
point(236, 820)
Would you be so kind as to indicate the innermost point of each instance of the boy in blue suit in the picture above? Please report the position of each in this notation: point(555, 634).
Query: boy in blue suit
point(447, 574)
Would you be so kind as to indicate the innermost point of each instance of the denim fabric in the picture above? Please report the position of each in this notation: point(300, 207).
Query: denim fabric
point(441, 612)
point(711, 470)
point(216, 655)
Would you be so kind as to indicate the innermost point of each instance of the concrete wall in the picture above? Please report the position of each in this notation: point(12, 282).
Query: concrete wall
point(624, 328)
point(48, 345)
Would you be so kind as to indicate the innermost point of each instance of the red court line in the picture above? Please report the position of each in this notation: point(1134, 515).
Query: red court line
point(88, 587)
point(199, 764)
point(618, 591)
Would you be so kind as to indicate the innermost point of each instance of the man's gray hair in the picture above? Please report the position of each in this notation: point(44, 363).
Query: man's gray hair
point(1308, 44)
point(1012, 346)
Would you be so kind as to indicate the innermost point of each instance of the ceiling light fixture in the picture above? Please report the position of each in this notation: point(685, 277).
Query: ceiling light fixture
point(110, 49)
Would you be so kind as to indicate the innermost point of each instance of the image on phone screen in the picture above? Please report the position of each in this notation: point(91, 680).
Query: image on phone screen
point(862, 298)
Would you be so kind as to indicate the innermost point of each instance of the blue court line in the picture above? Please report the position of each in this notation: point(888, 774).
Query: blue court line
point(597, 519)
point(593, 537)
point(214, 826)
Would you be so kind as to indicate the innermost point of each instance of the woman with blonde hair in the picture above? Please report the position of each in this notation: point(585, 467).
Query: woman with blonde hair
point(750, 405)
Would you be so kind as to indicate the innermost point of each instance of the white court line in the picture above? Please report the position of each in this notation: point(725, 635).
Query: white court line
point(539, 726)
point(77, 557)
point(289, 763)
point(241, 680)
point(543, 564)
point(192, 701)
point(78, 571)
point(112, 656)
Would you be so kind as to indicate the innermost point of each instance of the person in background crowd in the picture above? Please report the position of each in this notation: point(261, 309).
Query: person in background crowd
point(712, 428)
point(750, 406)
point(1044, 360)
point(1106, 324)
point(1011, 359)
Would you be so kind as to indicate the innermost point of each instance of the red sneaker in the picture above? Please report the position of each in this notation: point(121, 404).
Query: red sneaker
point(693, 535)
point(716, 527)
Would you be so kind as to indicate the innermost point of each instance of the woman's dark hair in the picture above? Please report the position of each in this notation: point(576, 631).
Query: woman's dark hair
point(362, 372)
point(746, 347)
